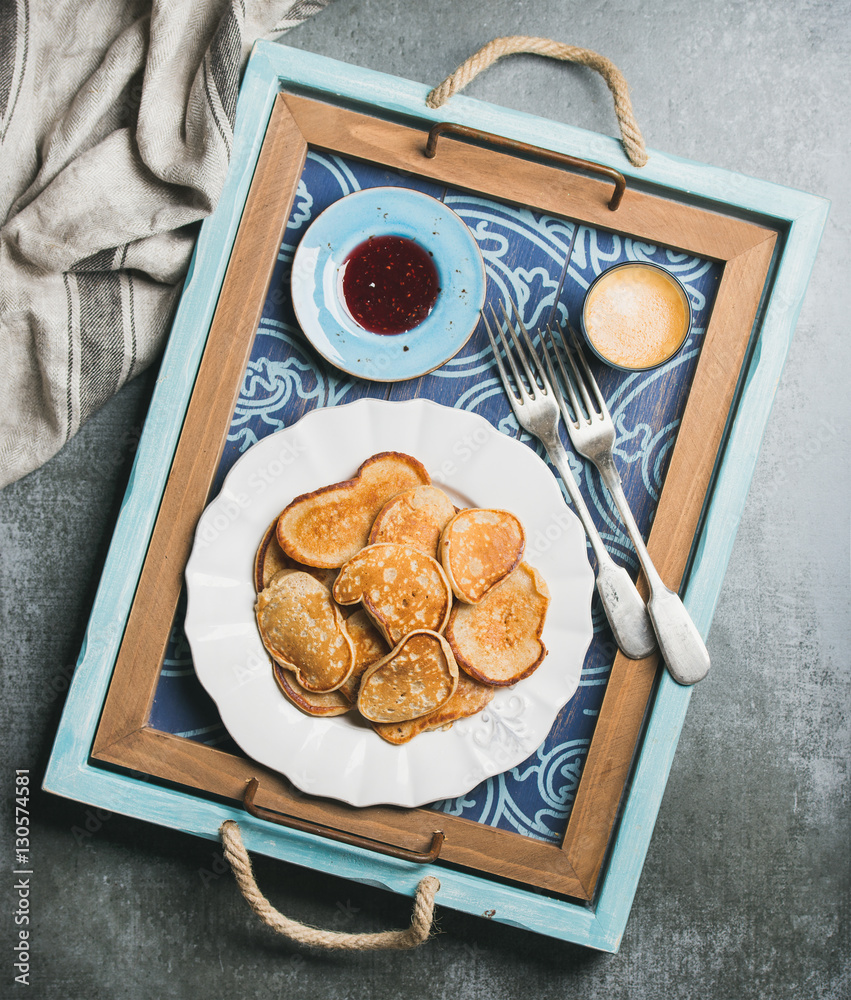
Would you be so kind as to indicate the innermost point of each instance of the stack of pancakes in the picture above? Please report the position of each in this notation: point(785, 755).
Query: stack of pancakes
point(378, 595)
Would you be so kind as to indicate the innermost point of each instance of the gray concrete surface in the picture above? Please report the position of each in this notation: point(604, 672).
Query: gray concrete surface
point(745, 892)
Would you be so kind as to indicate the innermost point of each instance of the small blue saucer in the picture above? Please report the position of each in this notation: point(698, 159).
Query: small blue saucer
point(387, 211)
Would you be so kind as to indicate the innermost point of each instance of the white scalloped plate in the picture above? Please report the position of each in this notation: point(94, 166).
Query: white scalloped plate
point(342, 758)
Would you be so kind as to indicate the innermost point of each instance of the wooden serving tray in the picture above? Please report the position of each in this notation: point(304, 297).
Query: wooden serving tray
point(305, 107)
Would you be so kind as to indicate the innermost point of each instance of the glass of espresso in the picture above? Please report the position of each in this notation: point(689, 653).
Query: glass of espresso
point(636, 316)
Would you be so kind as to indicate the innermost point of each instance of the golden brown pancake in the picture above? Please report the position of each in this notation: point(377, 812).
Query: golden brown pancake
point(271, 559)
point(328, 526)
point(415, 517)
point(469, 698)
point(498, 641)
point(370, 646)
point(401, 588)
point(418, 677)
point(478, 550)
point(322, 705)
point(303, 630)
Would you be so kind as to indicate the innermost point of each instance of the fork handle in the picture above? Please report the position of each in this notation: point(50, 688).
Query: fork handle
point(626, 612)
point(624, 608)
point(680, 644)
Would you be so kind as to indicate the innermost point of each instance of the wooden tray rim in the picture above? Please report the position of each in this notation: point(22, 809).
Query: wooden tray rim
point(69, 772)
point(297, 124)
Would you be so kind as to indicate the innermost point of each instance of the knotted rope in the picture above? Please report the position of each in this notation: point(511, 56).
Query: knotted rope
point(633, 141)
point(416, 934)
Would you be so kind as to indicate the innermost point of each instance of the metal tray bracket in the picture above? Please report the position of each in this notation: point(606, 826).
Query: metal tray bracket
point(548, 155)
point(402, 853)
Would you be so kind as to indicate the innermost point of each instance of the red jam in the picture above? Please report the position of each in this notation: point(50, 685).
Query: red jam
point(390, 284)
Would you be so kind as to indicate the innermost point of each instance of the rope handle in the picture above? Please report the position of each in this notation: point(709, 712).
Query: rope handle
point(421, 917)
point(633, 141)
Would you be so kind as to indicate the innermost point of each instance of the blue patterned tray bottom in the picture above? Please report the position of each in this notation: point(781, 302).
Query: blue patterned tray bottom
point(525, 257)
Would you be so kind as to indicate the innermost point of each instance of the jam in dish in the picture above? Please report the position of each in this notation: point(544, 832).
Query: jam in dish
point(389, 284)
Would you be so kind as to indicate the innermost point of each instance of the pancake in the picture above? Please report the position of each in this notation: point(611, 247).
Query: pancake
point(469, 698)
point(328, 526)
point(304, 631)
point(478, 549)
point(321, 705)
point(498, 641)
point(271, 559)
point(401, 589)
point(418, 677)
point(415, 517)
point(370, 646)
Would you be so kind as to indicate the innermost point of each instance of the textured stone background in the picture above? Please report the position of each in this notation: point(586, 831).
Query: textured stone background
point(745, 892)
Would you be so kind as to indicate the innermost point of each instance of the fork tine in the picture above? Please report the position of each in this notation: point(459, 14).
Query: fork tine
point(532, 355)
point(509, 354)
point(582, 383)
point(589, 379)
point(532, 389)
point(515, 402)
point(503, 373)
point(574, 418)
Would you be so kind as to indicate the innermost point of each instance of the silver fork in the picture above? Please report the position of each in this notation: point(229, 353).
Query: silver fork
point(592, 433)
point(537, 411)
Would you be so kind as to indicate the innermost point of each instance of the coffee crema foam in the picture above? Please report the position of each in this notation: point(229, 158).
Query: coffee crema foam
point(636, 316)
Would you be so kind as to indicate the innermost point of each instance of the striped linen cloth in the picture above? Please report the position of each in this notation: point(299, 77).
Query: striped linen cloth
point(116, 126)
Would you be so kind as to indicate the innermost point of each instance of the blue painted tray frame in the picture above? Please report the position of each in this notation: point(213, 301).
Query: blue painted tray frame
point(798, 216)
